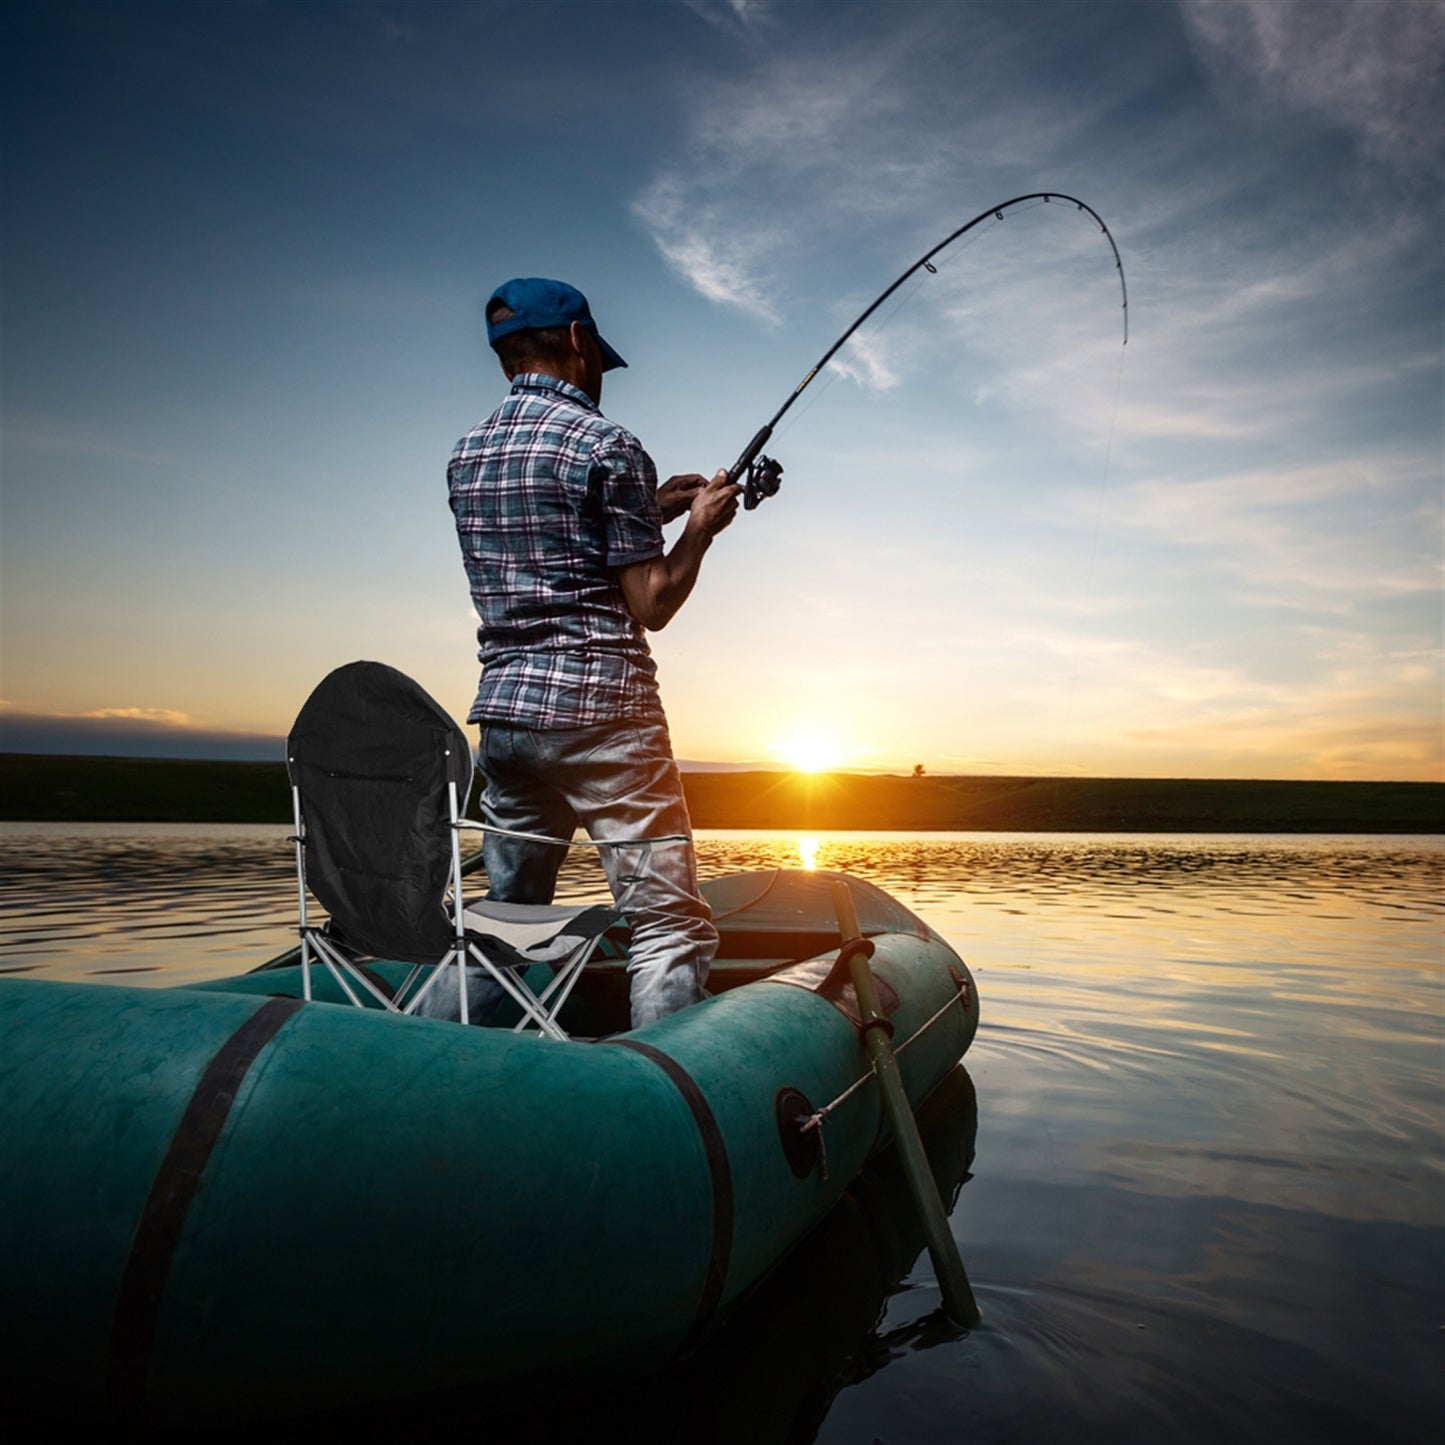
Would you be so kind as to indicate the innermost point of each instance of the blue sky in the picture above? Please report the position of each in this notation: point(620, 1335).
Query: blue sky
point(246, 247)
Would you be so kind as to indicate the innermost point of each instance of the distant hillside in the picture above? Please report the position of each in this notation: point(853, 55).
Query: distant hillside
point(42, 788)
point(1129, 805)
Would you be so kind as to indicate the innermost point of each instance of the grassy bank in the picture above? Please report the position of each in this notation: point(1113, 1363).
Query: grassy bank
point(43, 789)
point(843, 800)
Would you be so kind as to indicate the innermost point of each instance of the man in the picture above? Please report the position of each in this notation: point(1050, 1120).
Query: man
point(560, 519)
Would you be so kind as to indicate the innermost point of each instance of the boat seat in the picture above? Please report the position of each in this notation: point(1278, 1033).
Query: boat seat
point(507, 942)
point(544, 931)
point(380, 777)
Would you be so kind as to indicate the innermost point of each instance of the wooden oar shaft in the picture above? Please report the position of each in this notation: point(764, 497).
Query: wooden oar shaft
point(958, 1300)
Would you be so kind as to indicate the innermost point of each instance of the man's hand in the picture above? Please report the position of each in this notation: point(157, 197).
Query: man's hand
point(675, 495)
point(714, 505)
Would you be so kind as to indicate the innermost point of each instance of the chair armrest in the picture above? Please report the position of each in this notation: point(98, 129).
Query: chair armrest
point(665, 840)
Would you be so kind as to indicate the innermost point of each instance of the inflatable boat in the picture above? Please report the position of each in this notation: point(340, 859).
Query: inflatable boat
point(225, 1201)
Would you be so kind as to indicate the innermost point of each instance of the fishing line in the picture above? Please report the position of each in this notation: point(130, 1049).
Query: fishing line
point(1071, 678)
point(1061, 750)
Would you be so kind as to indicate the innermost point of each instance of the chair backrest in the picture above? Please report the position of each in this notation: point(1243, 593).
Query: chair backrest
point(371, 755)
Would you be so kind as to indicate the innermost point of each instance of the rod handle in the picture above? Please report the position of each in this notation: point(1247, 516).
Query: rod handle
point(749, 453)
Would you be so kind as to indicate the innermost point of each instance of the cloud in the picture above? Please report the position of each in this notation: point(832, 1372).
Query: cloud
point(46, 434)
point(813, 164)
point(732, 16)
point(1359, 707)
point(866, 360)
point(159, 716)
point(1328, 536)
point(162, 717)
point(1335, 740)
point(724, 263)
point(860, 133)
point(145, 732)
point(1373, 66)
point(1281, 335)
point(804, 132)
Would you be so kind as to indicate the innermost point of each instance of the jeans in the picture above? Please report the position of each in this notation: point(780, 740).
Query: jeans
point(619, 781)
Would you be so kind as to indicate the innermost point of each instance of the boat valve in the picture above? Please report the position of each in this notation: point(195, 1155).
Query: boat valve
point(798, 1133)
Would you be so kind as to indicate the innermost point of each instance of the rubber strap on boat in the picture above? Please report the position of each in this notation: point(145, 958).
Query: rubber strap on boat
point(715, 1149)
point(142, 1286)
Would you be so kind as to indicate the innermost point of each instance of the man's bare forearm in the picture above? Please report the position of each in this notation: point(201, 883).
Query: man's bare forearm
point(657, 588)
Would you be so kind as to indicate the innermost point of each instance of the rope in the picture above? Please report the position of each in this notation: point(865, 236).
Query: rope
point(819, 1117)
point(741, 907)
point(599, 843)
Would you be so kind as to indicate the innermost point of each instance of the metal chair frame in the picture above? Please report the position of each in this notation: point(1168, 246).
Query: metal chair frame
point(473, 925)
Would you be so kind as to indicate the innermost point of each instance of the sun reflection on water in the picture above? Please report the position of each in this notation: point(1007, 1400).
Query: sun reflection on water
point(808, 852)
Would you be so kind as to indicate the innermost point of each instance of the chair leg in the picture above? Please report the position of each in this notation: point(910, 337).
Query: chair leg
point(340, 969)
point(437, 974)
point(556, 994)
point(529, 1004)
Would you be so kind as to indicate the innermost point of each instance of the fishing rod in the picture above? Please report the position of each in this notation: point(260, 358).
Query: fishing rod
point(763, 475)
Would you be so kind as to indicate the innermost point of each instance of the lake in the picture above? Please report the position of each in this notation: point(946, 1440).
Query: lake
point(1207, 1194)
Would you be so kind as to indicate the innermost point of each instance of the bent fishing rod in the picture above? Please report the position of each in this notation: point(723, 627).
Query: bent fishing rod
point(762, 476)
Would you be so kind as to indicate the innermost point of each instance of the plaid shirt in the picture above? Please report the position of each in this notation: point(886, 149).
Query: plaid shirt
point(550, 498)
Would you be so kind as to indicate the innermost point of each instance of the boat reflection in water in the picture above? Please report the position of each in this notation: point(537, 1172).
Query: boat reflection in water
point(813, 1327)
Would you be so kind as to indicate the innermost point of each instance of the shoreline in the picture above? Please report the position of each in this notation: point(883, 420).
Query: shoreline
point(41, 788)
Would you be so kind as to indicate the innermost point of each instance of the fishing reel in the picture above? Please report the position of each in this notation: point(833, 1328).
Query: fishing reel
point(764, 478)
point(760, 476)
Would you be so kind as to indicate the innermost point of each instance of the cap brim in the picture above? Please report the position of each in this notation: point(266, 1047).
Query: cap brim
point(610, 359)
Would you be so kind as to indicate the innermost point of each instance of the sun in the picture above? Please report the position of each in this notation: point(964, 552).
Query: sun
point(810, 752)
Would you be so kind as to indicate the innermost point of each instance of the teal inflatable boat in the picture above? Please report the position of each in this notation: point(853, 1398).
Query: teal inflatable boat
point(223, 1201)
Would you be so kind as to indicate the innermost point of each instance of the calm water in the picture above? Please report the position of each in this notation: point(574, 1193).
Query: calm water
point(1207, 1199)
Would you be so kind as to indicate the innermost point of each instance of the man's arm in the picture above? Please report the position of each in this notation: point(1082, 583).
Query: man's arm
point(655, 589)
point(676, 494)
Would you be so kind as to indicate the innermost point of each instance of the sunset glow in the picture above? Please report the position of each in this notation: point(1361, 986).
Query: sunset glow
point(1004, 544)
point(810, 753)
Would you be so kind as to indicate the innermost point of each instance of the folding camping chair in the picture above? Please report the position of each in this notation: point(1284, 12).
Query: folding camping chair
point(380, 777)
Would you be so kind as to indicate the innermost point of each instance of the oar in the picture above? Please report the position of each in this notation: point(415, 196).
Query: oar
point(958, 1300)
point(293, 954)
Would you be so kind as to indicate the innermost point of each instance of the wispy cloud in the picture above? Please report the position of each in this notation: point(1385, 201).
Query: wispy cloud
point(159, 716)
point(722, 262)
point(866, 360)
point(827, 159)
point(46, 434)
point(1354, 707)
point(805, 132)
point(1329, 537)
point(127, 732)
point(1373, 66)
point(1237, 319)
point(733, 16)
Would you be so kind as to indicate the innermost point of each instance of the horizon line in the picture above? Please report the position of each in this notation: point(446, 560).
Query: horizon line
point(698, 767)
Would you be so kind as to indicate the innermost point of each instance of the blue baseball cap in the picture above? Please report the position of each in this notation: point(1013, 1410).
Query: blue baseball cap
point(536, 302)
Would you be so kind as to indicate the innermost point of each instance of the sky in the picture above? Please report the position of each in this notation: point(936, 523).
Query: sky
point(246, 247)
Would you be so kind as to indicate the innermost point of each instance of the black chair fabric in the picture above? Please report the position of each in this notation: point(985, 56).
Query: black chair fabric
point(371, 754)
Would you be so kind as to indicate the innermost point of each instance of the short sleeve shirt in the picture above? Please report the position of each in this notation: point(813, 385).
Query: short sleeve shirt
point(549, 499)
